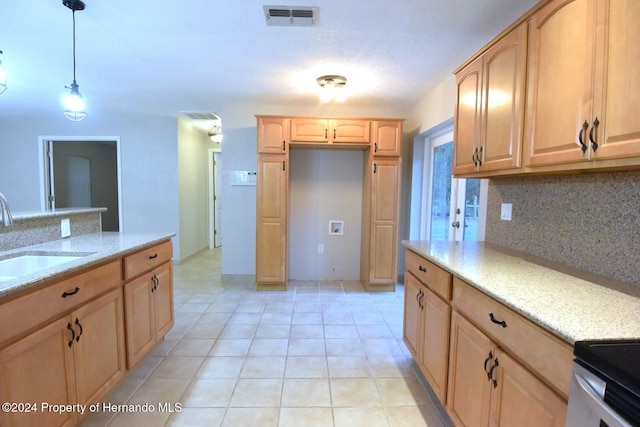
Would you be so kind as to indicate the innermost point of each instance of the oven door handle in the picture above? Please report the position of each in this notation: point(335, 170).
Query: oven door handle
point(599, 406)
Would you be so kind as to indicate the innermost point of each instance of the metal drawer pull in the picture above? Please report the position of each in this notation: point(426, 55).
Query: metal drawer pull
point(68, 294)
point(154, 256)
point(421, 268)
point(496, 321)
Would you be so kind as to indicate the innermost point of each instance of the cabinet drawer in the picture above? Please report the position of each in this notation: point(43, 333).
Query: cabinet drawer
point(430, 274)
point(147, 259)
point(36, 308)
point(543, 353)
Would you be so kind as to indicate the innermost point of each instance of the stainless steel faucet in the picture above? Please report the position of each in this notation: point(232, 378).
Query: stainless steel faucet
point(7, 219)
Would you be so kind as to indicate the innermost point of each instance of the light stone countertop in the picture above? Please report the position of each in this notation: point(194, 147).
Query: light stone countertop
point(95, 248)
point(48, 213)
point(571, 307)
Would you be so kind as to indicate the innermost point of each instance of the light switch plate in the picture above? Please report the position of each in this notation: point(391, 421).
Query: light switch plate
point(320, 249)
point(505, 211)
point(65, 227)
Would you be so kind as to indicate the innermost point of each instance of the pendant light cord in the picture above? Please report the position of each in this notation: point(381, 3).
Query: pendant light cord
point(74, 45)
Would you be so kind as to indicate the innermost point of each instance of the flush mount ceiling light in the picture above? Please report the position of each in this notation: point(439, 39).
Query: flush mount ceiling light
point(332, 87)
point(74, 105)
point(3, 77)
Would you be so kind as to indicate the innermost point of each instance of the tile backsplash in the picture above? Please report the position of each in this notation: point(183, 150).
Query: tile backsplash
point(586, 221)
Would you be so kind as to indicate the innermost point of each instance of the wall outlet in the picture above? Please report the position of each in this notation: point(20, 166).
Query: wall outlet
point(505, 211)
point(65, 228)
point(320, 249)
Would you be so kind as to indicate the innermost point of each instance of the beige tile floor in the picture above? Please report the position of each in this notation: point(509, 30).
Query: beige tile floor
point(318, 354)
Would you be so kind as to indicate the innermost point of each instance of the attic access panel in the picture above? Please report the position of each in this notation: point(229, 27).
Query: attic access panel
point(292, 16)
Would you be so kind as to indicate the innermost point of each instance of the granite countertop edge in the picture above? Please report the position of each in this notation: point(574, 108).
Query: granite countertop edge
point(94, 249)
point(24, 216)
point(570, 307)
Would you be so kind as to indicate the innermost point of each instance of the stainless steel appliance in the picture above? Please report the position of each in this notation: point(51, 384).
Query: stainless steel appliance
point(605, 387)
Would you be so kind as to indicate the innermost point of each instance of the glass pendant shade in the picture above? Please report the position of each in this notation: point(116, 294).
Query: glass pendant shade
point(3, 77)
point(74, 104)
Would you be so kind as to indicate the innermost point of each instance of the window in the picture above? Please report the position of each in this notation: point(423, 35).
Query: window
point(443, 207)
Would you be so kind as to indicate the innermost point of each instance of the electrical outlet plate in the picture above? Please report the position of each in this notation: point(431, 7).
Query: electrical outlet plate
point(65, 227)
point(505, 211)
point(320, 249)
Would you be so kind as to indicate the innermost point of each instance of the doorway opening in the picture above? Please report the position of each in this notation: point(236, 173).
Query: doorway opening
point(444, 207)
point(215, 199)
point(82, 172)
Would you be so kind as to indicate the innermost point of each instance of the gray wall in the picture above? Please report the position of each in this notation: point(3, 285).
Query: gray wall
point(149, 166)
point(324, 185)
point(587, 221)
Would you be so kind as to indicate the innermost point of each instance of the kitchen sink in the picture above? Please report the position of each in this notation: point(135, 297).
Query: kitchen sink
point(24, 264)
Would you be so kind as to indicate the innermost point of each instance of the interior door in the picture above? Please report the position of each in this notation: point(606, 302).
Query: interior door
point(217, 199)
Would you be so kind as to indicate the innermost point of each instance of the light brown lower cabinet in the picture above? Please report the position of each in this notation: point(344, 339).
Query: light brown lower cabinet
point(149, 311)
point(489, 388)
point(75, 359)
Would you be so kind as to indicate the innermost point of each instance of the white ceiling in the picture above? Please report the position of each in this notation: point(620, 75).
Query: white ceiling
point(161, 57)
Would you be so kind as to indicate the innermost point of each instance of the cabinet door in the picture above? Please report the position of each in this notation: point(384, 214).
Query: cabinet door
point(163, 299)
point(271, 227)
point(561, 40)
point(140, 315)
point(310, 130)
point(384, 216)
point(99, 347)
point(523, 400)
point(412, 313)
point(434, 343)
point(503, 101)
point(469, 393)
point(467, 117)
point(617, 84)
point(39, 368)
point(386, 138)
point(273, 135)
point(354, 131)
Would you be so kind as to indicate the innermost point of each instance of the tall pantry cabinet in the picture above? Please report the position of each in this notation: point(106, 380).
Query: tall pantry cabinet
point(380, 140)
point(272, 194)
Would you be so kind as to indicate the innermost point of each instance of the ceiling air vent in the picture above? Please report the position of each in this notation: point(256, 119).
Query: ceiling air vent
point(292, 16)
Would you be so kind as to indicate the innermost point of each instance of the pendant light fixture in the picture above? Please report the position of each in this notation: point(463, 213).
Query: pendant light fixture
point(3, 77)
point(74, 105)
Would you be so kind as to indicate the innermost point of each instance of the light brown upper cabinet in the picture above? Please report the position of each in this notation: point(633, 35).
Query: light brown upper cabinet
point(386, 137)
point(330, 131)
point(490, 107)
point(273, 135)
point(584, 94)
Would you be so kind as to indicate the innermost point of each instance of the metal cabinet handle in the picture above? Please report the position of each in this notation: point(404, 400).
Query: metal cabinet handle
point(496, 321)
point(283, 165)
point(474, 157)
point(73, 334)
point(420, 300)
point(334, 134)
point(284, 148)
point(325, 133)
point(68, 294)
point(479, 154)
point(421, 268)
point(375, 147)
point(80, 333)
point(154, 256)
point(582, 131)
point(594, 143)
point(485, 364)
point(493, 368)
